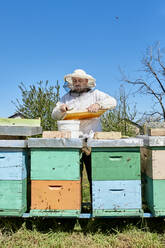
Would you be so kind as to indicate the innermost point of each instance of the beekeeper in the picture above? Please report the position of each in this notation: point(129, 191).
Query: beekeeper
point(81, 96)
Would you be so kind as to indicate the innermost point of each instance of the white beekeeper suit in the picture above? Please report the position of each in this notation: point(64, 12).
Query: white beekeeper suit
point(81, 101)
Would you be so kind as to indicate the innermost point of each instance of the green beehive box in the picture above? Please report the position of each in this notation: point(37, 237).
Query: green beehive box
point(154, 196)
point(116, 164)
point(13, 195)
point(115, 159)
point(55, 159)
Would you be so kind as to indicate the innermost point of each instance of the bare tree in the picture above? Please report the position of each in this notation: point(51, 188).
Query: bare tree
point(153, 81)
point(124, 117)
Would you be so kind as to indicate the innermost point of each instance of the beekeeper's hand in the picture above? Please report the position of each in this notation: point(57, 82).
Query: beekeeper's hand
point(93, 107)
point(64, 107)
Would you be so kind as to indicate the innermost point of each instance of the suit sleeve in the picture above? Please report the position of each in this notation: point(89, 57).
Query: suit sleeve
point(105, 101)
point(56, 113)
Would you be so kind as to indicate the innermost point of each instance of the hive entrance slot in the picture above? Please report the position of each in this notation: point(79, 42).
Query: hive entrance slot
point(116, 190)
point(55, 187)
point(115, 158)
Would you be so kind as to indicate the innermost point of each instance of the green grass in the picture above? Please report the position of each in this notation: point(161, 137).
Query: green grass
point(101, 233)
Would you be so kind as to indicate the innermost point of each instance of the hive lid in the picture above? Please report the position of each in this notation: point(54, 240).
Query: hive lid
point(13, 143)
point(53, 143)
point(20, 130)
point(153, 140)
point(129, 142)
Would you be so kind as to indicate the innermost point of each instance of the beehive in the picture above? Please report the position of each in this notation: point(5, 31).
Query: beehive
point(116, 178)
point(55, 175)
point(13, 177)
point(154, 174)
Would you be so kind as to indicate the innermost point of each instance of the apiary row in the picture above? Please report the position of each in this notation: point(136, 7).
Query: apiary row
point(50, 170)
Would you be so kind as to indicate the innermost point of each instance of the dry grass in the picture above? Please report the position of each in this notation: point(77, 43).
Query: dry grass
point(85, 188)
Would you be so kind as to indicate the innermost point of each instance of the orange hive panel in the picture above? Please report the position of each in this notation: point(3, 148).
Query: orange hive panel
point(55, 195)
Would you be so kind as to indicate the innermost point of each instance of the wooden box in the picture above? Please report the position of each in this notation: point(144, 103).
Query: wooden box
point(153, 162)
point(118, 163)
point(156, 131)
point(107, 135)
point(116, 197)
point(55, 164)
point(13, 164)
point(154, 196)
point(56, 134)
point(55, 195)
point(13, 197)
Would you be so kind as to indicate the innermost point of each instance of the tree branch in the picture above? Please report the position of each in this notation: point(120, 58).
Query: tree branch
point(160, 63)
point(156, 76)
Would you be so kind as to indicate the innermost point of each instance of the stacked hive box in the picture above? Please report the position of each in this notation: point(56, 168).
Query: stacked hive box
point(153, 167)
point(13, 177)
point(55, 177)
point(116, 179)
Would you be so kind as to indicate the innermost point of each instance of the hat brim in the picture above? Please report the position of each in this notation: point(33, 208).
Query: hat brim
point(91, 80)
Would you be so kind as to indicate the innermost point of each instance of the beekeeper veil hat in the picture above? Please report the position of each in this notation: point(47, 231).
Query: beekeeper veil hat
point(80, 74)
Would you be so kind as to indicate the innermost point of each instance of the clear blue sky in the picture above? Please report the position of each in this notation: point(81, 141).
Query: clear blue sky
point(46, 39)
